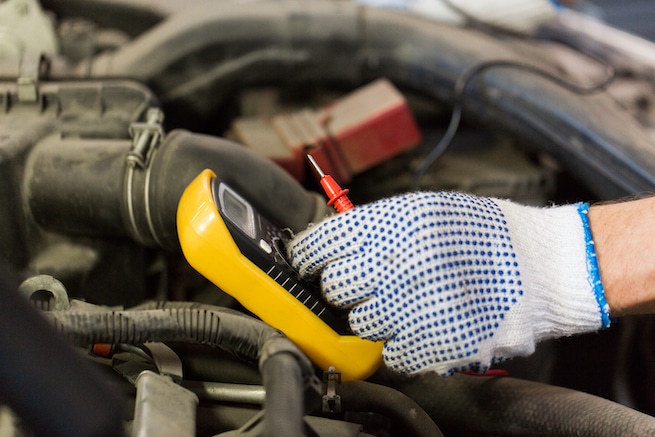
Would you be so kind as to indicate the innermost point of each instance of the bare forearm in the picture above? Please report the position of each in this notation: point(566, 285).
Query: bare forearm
point(624, 237)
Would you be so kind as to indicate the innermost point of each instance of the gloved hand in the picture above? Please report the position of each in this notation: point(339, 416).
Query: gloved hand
point(456, 282)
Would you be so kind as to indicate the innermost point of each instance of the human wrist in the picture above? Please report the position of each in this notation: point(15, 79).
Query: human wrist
point(624, 238)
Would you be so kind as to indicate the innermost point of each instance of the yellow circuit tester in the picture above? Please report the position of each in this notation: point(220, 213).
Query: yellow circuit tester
point(226, 240)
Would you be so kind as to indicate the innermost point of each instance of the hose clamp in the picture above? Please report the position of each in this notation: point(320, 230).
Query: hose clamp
point(145, 139)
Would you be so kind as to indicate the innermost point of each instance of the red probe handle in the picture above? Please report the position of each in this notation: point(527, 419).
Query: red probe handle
point(337, 196)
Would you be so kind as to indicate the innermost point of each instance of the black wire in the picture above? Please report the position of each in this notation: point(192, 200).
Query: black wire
point(467, 75)
point(465, 78)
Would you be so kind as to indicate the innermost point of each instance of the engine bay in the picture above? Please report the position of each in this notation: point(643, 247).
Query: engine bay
point(111, 108)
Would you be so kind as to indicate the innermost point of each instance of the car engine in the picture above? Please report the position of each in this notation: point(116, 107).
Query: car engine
point(110, 109)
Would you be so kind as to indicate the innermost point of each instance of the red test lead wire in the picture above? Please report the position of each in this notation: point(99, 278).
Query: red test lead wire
point(337, 196)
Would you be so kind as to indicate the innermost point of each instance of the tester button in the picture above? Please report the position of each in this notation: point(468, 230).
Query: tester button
point(265, 247)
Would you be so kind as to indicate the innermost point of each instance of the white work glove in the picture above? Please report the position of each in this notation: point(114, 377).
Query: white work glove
point(454, 282)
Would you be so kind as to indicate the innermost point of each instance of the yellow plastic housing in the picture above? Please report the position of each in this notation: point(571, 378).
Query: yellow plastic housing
point(208, 246)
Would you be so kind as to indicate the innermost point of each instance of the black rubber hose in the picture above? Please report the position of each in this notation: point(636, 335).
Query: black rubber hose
point(45, 381)
point(365, 396)
point(271, 190)
point(78, 186)
point(284, 406)
point(340, 42)
point(324, 28)
point(285, 370)
point(513, 407)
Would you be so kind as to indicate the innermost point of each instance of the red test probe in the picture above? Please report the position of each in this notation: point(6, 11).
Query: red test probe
point(337, 196)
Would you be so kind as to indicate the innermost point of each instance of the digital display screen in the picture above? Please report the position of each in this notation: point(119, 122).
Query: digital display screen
point(237, 210)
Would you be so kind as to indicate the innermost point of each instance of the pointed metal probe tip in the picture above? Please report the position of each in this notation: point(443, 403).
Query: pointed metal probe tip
point(314, 164)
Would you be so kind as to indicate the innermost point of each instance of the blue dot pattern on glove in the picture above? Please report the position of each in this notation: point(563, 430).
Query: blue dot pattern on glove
point(433, 274)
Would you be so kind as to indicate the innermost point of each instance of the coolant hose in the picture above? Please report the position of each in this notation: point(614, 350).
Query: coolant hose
point(283, 406)
point(78, 186)
point(285, 370)
point(365, 396)
point(514, 407)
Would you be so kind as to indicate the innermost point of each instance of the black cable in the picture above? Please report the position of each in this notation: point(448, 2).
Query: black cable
point(470, 73)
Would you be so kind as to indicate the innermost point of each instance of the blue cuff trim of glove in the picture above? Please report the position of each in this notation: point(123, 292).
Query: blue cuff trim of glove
point(592, 266)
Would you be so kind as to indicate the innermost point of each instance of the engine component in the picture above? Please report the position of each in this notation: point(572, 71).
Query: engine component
point(499, 169)
point(32, 388)
point(348, 136)
point(144, 206)
point(24, 28)
point(163, 408)
point(93, 168)
point(69, 211)
point(478, 397)
point(50, 285)
point(182, 322)
point(349, 44)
